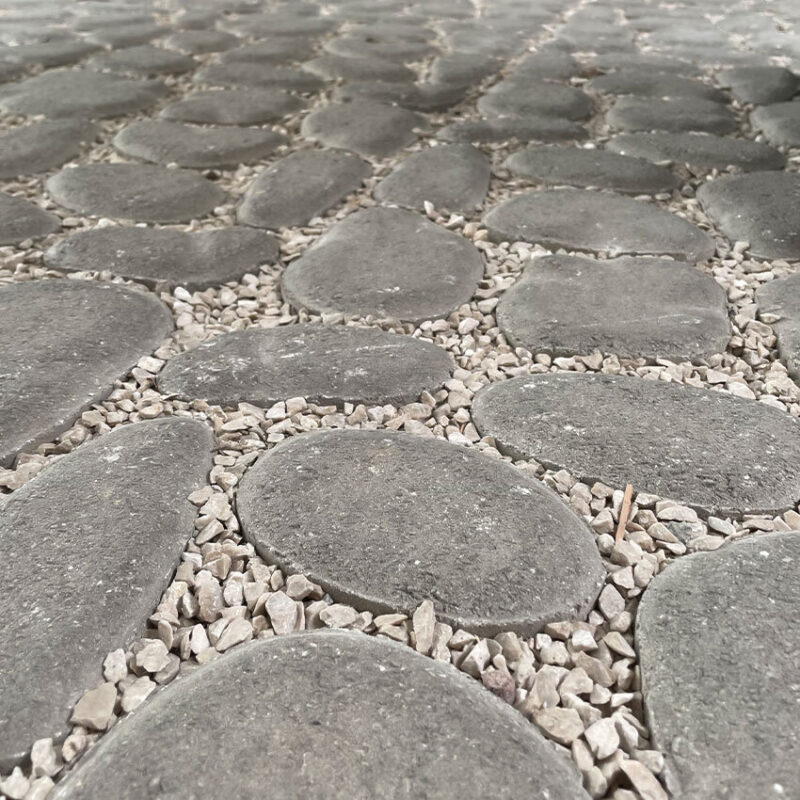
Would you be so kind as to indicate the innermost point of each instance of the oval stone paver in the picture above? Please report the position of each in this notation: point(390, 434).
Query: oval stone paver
point(523, 129)
point(652, 84)
point(596, 221)
point(781, 298)
point(139, 192)
point(780, 123)
point(718, 453)
point(387, 263)
point(400, 709)
point(20, 220)
point(718, 639)
point(333, 67)
point(523, 97)
point(42, 145)
point(238, 74)
point(760, 85)
point(233, 107)
point(277, 50)
point(107, 524)
point(199, 41)
point(144, 60)
point(678, 114)
point(384, 520)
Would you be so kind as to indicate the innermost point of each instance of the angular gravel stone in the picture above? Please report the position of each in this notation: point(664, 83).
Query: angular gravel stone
point(761, 208)
point(144, 60)
point(333, 67)
point(760, 85)
point(780, 123)
point(387, 263)
point(596, 221)
point(43, 145)
point(20, 220)
point(135, 191)
point(301, 186)
point(652, 84)
point(388, 520)
point(717, 453)
point(502, 129)
point(233, 107)
point(193, 260)
point(718, 637)
point(107, 524)
point(454, 177)
point(62, 346)
point(632, 307)
point(400, 708)
point(679, 114)
point(522, 98)
point(781, 298)
point(245, 74)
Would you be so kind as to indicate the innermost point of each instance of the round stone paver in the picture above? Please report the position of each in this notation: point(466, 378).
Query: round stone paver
point(20, 220)
point(199, 41)
point(383, 520)
point(760, 85)
point(781, 298)
point(233, 107)
point(334, 67)
point(242, 74)
point(632, 307)
point(144, 60)
point(88, 546)
point(520, 98)
point(523, 129)
point(139, 192)
point(385, 262)
point(38, 147)
point(718, 637)
point(678, 114)
point(780, 123)
point(652, 84)
point(278, 50)
point(718, 453)
point(596, 221)
point(382, 717)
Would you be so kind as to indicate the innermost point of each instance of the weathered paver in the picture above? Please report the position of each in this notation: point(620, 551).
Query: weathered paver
point(200, 41)
point(333, 67)
point(399, 707)
point(384, 520)
point(88, 547)
point(652, 84)
point(275, 50)
point(678, 114)
point(780, 123)
point(323, 363)
point(40, 146)
point(632, 307)
point(238, 74)
point(596, 221)
point(139, 192)
point(522, 98)
point(62, 346)
point(718, 453)
point(718, 637)
point(21, 219)
point(760, 85)
point(386, 263)
point(781, 298)
point(127, 34)
point(144, 60)
point(51, 53)
point(524, 129)
point(391, 46)
point(233, 107)
point(413, 96)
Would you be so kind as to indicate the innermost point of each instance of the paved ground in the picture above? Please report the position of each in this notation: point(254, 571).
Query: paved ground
point(413, 275)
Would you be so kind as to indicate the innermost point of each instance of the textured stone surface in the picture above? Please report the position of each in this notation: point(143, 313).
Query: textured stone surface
point(384, 520)
point(718, 637)
point(107, 524)
point(325, 364)
point(679, 114)
point(332, 67)
point(632, 307)
point(781, 298)
point(49, 53)
point(277, 50)
point(523, 97)
point(400, 708)
point(759, 85)
point(238, 74)
point(233, 107)
point(413, 96)
point(43, 145)
point(387, 263)
point(652, 84)
point(144, 60)
point(595, 221)
point(709, 450)
point(780, 123)
point(199, 41)
point(500, 129)
point(363, 44)
point(62, 346)
point(20, 220)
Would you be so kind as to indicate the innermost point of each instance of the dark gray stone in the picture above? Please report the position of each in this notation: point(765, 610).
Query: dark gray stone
point(199, 41)
point(387, 263)
point(520, 98)
point(632, 307)
point(331, 67)
point(414, 96)
point(602, 222)
point(20, 220)
point(193, 260)
point(780, 123)
point(718, 637)
point(325, 364)
point(781, 298)
point(761, 208)
point(501, 129)
point(50, 54)
point(358, 44)
point(233, 107)
point(718, 453)
point(399, 707)
point(144, 60)
point(43, 145)
point(454, 177)
point(301, 186)
point(463, 69)
point(652, 84)
point(238, 74)
point(89, 545)
point(642, 62)
point(678, 114)
point(384, 520)
point(548, 65)
point(281, 49)
point(760, 85)
point(140, 192)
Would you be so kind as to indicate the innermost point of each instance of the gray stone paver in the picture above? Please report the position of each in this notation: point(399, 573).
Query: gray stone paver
point(21, 219)
point(243, 106)
point(40, 146)
point(676, 114)
point(781, 300)
point(780, 123)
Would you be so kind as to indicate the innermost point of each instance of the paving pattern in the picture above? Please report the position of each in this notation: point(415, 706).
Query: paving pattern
point(465, 325)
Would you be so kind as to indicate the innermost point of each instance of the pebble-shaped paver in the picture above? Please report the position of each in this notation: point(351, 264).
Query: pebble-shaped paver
point(53, 53)
point(400, 710)
point(233, 107)
point(676, 114)
point(277, 50)
point(392, 46)
point(40, 146)
point(652, 84)
point(144, 60)
point(88, 547)
point(238, 74)
point(760, 85)
point(62, 346)
point(21, 219)
point(384, 520)
point(332, 67)
point(125, 34)
point(322, 363)
point(386, 263)
point(780, 123)
point(523, 129)
point(200, 41)
point(718, 637)
point(781, 300)
point(413, 96)
point(718, 453)
point(521, 98)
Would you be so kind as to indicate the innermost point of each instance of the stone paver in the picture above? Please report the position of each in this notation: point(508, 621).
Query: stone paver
point(277, 50)
point(760, 85)
point(243, 74)
point(50, 54)
point(521, 98)
point(718, 453)
point(20, 220)
point(107, 524)
point(144, 60)
point(388, 519)
point(333, 67)
point(780, 123)
point(412, 96)
point(325, 364)
point(400, 709)
point(781, 299)
point(718, 638)
point(386, 263)
point(62, 346)
point(525, 129)
point(652, 84)
point(678, 114)
point(199, 41)
point(38, 147)
point(233, 107)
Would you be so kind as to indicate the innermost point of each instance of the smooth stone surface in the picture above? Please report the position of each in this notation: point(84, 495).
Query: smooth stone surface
point(281, 49)
point(143, 60)
point(502, 129)
point(679, 114)
point(576, 166)
point(301, 186)
point(414, 96)
point(193, 260)
point(523, 97)
point(781, 297)
point(372, 44)
point(233, 107)
point(383, 520)
point(713, 451)
point(652, 84)
point(718, 637)
point(761, 208)
point(780, 123)
point(238, 74)
point(385, 262)
point(400, 708)
point(127, 34)
point(50, 53)
point(140, 192)
point(454, 177)
point(760, 85)
point(632, 307)
point(20, 220)
point(89, 545)
point(366, 127)
point(596, 221)
point(325, 364)
point(200, 41)
point(38, 147)
point(462, 69)
point(331, 67)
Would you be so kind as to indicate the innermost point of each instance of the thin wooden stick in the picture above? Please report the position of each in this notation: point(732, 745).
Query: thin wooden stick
point(623, 512)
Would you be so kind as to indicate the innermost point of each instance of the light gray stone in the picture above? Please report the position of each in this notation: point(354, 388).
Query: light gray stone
point(125, 33)
point(333, 67)
point(781, 298)
point(760, 85)
point(520, 98)
point(201, 41)
point(523, 129)
point(652, 84)
point(780, 123)
point(144, 60)
point(676, 114)
point(413, 96)
point(238, 74)
point(275, 50)
point(378, 44)
point(233, 107)
point(51, 53)
point(42, 145)
point(21, 219)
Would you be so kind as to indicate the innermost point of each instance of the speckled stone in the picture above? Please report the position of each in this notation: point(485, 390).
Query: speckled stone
point(40, 146)
point(233, 107)
point(20, 220)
